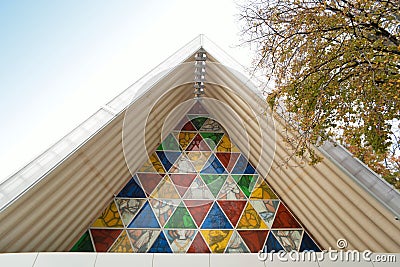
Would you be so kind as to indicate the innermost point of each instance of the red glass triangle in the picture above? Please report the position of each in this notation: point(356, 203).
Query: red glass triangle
point(182, 181)
point(149, 181)
point(284, 219)
point(198, 144)
point(104, 238)
point(198, 245)
point(198, 209)
point(233, 209)
point(227, 159)
point(179, 126)
point(188, 127)
point(197, 108)
point(254, 239)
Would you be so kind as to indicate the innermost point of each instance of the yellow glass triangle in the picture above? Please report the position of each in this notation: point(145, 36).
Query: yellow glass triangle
point(152, 165)
point(250, 219)
point(262, 191)
point(109, 218)
point(165, 190)
point(122, 245)
point(217, 240)
point(185, 138)
point(225, 145)
point(198, 159)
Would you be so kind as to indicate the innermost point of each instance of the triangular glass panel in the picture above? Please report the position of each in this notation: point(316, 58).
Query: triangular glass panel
point(262, 191)
point(180, 240)
point(183, 165)
point(149, 181)
point(197, 120)
point(169, 144)
point(233, 209)
point(250, 219)
point(153, 164)
point(168, 158)
point(254, 239)
point(213, 166)
point(109, 218)
point(182, 181)
point(122, 244)
point(104, 238)
point(197, 108)
point(128, 208)
point(216, 219)
point(145, 218)
point(289, 239)
point(181, 123)
point(163, 209)
point(307, 244)
point(211, 125)
point(142, 239)
point(198, 245)
point(246, 183)
point(198, 190)
point(228, 159)
point(272, 244)
point(225, 145)
point(188, 127)
point(198, 159)
point(165, 190)
point(185, 138)
point(284, 219)
point(214, 182)
point(212, 139)
point(217, 240)
point(236, 245)
point(132, 189)
point(231, 191)
point(198, 209)
point(243, 166)
point(266, 209)
point(181, 219)
point(160, 245)
point(197, 144)
point(84, 244)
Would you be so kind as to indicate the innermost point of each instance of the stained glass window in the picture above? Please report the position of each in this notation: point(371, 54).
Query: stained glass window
point(197, 193)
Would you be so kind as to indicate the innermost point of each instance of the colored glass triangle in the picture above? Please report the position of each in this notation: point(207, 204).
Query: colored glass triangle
point(132, 189)
point(266, 209)
point(122, 244)
point(153, 164)
point(198, 209)
point(307, 244)
point(182, 165)
point(217, 240)
point(225, 145)
point(213, 166)
point(182, 181)
point(246, 183)
point(169, 143)
point(289, 239)
point(212, 139)
point(145, 218)
point(228, 159)
point(149, 181)
point(284, 219)
point(181, 219)
point(250, 219)
point(211, 125)
point(197, 121)
point(198, 245)
point(160, 245)
point(142, 239)
point(197, 144)
point(243, 166)
point(109, 218)
point(163, 209)
point(165, 190)
point(188, 127)
point(214, 182)
point(233, 209)
point(231, 191)
point(262, 191)
point(198, 190)
point(104, 238)
point(168, 158)
point(180, 240)
point(185, 138)
point(272, 244)
point(197, 108)
point(128, 208)
point(236, 245)
point(254, 239)
point(84, 244)
point(216, 219)
point(198, 159)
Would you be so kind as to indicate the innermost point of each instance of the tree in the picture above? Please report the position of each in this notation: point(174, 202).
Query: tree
point(335, 67)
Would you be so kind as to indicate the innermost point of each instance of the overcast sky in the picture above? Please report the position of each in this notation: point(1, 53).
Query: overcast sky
point(61, 60)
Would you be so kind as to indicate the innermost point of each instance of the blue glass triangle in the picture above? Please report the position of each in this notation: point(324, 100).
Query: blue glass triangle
point(145, 218)
point(243, 166)
point(160, 245)
point(213, 166)
point(307, 244)
point(272, 244)
point(168, 158)
point(132, 189)
point(216, 219)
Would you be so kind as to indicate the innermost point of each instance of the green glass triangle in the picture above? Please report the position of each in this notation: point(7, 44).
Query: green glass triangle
point(246, 183)
point(214, 182)
point(212, 139)
point(181, 219)
point(169, 143)
point(84, 244)
point(197, 121)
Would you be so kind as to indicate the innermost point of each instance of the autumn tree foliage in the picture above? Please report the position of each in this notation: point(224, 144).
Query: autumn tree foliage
point(335, 70)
